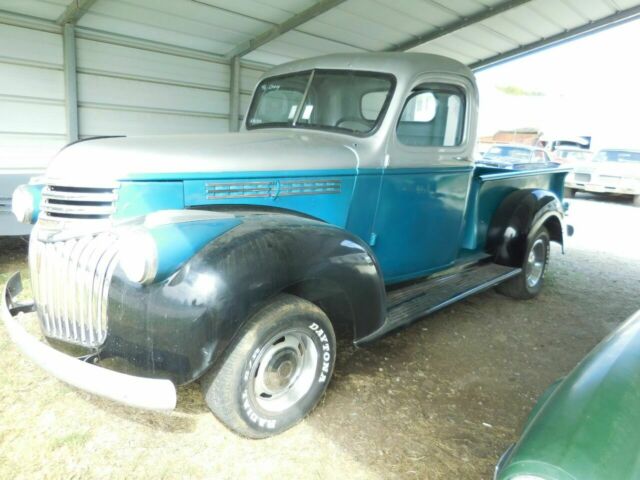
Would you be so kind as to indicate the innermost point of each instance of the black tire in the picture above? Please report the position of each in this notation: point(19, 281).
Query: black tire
point(569, 192)
point(522, 287)
point(231, 389)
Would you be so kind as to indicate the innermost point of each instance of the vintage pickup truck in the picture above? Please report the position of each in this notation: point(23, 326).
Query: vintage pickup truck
point(347, 200)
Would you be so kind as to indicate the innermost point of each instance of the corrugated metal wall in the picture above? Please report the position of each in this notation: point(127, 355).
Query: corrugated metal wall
point(32, 111)
point(122, 90)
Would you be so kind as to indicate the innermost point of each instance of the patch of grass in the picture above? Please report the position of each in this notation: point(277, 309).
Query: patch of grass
point(71, 440)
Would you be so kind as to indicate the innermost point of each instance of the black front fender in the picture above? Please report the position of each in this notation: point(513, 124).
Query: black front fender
point(179, 327)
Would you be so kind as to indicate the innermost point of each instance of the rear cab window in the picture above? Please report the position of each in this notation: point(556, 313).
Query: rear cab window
point(433, 116)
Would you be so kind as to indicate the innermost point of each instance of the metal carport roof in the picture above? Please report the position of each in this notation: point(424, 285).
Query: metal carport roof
point(476, 32)
point(246, 36)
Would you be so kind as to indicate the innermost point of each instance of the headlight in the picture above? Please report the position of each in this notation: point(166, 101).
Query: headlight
point(23, 204)
point(139, 257)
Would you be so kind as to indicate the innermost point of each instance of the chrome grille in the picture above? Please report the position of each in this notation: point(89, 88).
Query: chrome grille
point(71, 281)
point(78, 203)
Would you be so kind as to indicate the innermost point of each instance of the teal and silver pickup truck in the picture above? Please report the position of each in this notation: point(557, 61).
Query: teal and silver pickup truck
point(348, 202)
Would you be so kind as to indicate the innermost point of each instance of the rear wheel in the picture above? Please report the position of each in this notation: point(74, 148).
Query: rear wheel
point(530, 281)
point(569, 192)
point(277, 370)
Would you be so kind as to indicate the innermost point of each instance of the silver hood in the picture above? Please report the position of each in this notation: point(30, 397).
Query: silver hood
point(183, 156)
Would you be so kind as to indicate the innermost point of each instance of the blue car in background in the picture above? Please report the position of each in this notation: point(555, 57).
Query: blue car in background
point(516, 157)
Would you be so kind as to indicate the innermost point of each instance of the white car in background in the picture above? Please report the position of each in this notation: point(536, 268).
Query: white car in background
point(571, 155)
point(613, 171)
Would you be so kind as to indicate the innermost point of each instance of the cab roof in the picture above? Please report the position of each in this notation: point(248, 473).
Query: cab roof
point(405, 65)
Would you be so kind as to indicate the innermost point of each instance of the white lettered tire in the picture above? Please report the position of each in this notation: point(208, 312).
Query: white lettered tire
point(530, 281)
point(277, 370)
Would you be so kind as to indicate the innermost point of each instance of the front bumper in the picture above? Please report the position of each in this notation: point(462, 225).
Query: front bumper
point(602, 188)
point(140, 392)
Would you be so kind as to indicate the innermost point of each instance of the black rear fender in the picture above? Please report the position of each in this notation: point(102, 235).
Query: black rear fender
point(521, 213)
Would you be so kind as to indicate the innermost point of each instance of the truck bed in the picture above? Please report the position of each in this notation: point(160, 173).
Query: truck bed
point(490, 185)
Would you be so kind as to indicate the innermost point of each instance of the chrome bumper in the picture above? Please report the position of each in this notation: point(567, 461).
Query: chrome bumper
point(140, 392)
point(602, 188)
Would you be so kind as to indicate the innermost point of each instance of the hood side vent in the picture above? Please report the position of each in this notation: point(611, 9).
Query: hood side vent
point(273, 189)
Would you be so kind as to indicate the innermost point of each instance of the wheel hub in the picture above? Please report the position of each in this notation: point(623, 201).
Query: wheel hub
point(535, 262)
point(284, 371)
point(280, 371)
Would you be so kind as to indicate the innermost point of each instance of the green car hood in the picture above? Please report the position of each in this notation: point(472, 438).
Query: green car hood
point(588, 427)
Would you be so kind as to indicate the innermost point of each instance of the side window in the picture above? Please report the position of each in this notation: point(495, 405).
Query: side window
point(433, 116)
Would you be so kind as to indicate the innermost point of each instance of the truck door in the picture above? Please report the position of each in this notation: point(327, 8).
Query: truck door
point(426, 179)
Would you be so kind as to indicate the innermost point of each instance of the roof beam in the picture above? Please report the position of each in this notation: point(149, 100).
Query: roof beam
point(613, 20)
point(457, 25)
point(74, 11)
point(274, 32)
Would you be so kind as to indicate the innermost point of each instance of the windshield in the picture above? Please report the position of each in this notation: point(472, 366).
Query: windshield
point(513, 154)
point(574, 154)
point(617, 156)
point(338, 100)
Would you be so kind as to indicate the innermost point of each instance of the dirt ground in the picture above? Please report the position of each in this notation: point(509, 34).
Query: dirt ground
point(441, 399)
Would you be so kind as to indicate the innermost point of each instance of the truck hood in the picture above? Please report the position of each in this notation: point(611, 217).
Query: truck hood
point(178, 157)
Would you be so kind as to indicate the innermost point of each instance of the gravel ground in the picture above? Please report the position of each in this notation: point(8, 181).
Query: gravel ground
point(441, 399)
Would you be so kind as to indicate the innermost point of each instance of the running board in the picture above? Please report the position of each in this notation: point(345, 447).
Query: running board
point(409, 303)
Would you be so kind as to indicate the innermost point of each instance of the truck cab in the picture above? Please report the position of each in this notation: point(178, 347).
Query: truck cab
point(348, 199)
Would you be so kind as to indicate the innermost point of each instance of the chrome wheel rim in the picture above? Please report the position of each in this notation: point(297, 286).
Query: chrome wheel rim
point(535, 262)
point(284, 371)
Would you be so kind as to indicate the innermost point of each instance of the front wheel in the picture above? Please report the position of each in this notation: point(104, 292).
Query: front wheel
point(530, 281)
point(277, 370)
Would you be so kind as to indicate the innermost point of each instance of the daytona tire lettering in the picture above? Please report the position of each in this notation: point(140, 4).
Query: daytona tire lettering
point(326, 351)
point(253, 416)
